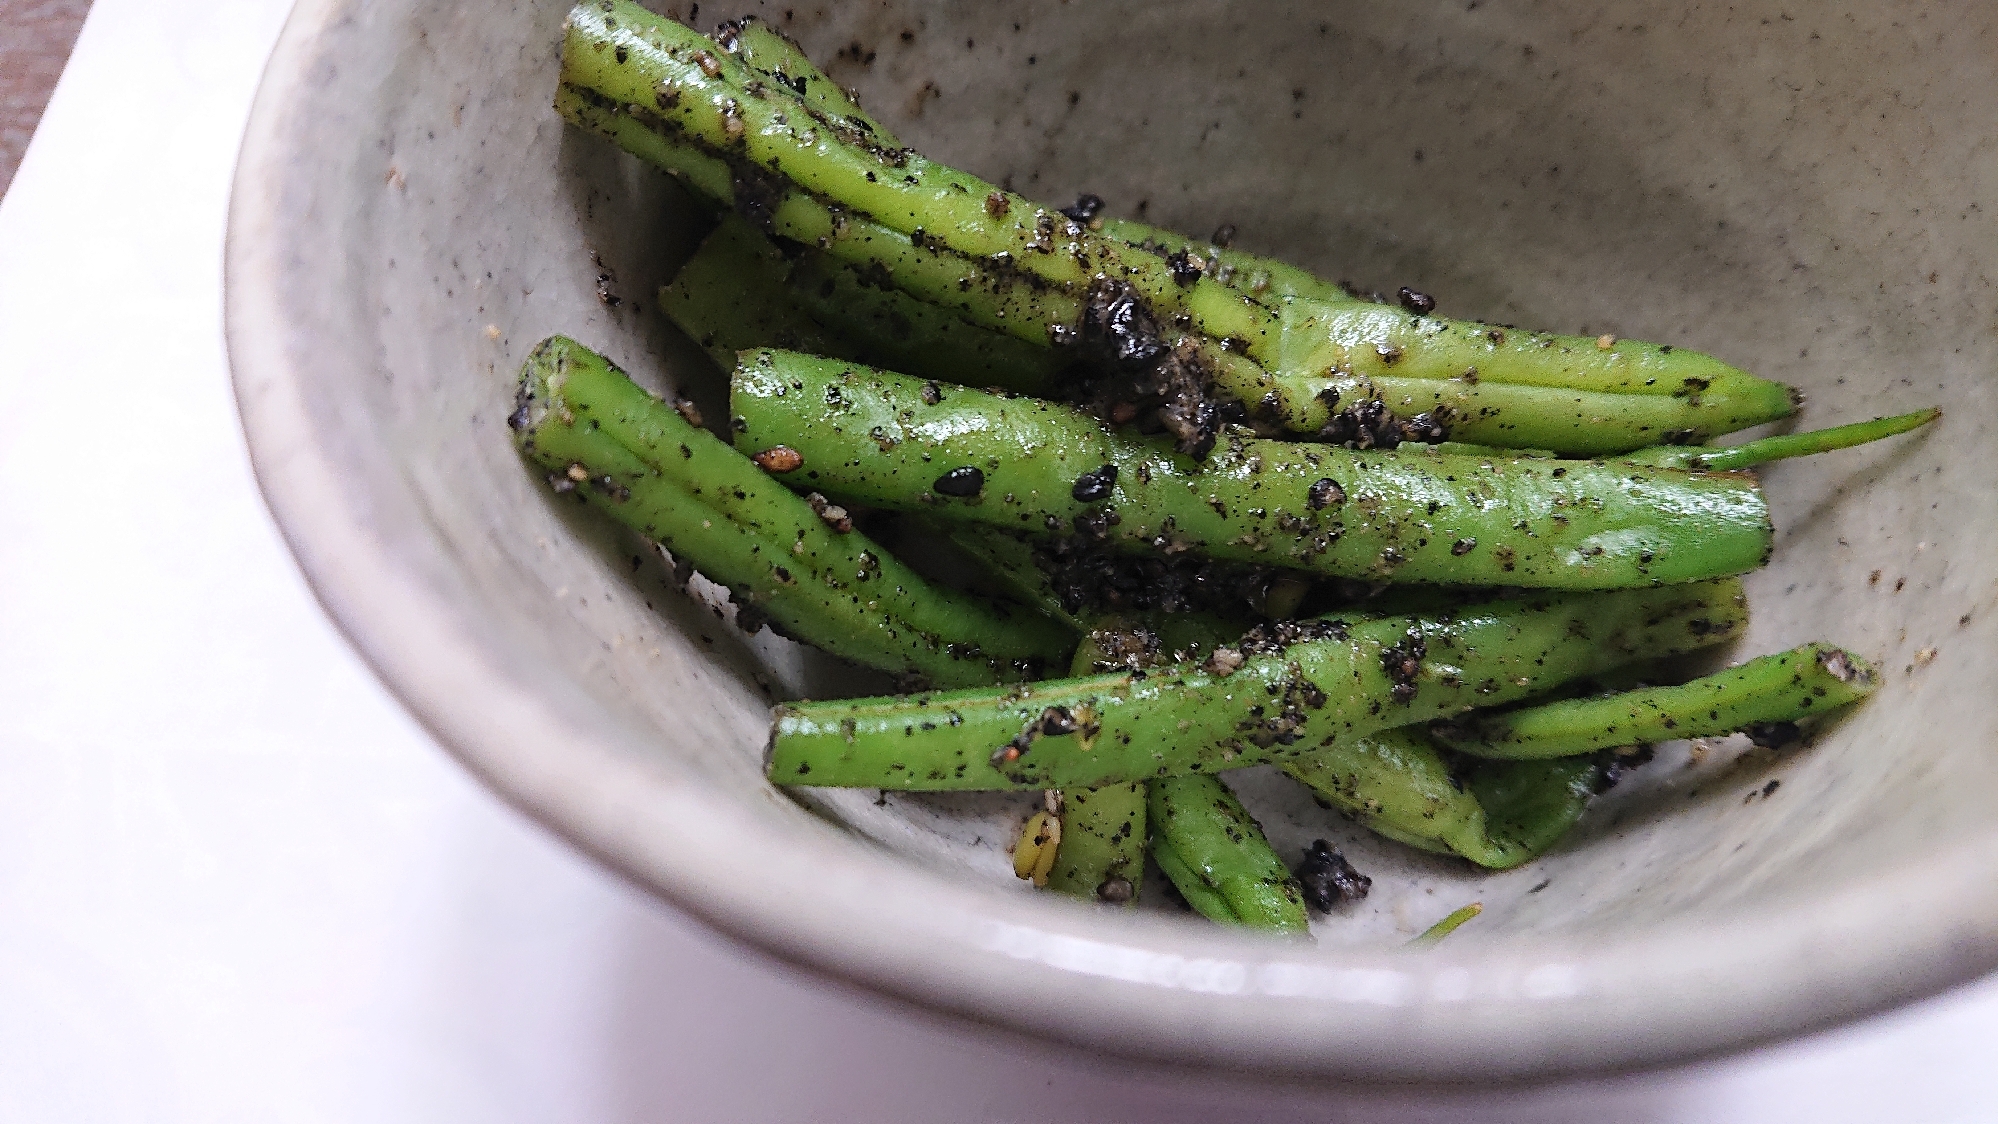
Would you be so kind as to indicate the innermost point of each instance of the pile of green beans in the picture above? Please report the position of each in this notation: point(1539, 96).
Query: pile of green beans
point(1448, 526)
point(816, 176)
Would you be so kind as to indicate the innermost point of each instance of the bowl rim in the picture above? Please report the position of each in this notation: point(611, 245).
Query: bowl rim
point(1480, 1009)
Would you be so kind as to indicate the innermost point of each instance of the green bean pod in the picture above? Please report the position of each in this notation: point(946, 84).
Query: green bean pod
point(1217, 857)
point(988, 295)
point(1498, 815)
point(895, 330)
point(645, 465)
point(1785, 687)
point(1603, 400)
point(1533, 389)
point(740, 290)
point(1260, 277)
point(890, 441)
point(1101, 855)
point(1288, 701)
point(774, 55)
point(733, 295)
point(1577, 423)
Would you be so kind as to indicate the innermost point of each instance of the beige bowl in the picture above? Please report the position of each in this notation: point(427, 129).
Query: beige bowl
point(1812, 197)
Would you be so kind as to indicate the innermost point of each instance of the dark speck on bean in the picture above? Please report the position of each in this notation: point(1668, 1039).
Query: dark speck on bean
point(964, 482)
point(1093, 486)
point(1420, 303)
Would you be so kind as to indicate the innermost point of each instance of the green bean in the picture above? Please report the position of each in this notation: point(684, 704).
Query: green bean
point(740, 290)
point(1704, 458)
point(1216, 855)
point(968, 456)
point(842, 294)
point(1205, 899)
point(771, 53)
point(1730, 458)
point(1255, 275)
point(1289, 699)
point(631, 128)
point(1008, 561)
point(1498, 815)
point(1101, 855)
point(1402, 352)
point(1576, 422)
point(644, 464)
point(1780, 688)
point(732, 295)
point(680, 86)
point(897, 331)
point(1498, 385)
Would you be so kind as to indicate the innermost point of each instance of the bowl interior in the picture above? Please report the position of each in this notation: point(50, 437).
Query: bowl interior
point(1804, 197)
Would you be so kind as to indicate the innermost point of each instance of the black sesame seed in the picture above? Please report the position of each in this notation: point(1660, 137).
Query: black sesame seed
point(1325, 493)
point(1093, 486)
point(1422, 304)
point(965, 481)
point(1084, 208)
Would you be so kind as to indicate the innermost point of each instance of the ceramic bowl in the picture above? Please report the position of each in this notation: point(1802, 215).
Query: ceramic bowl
point(1811, 196)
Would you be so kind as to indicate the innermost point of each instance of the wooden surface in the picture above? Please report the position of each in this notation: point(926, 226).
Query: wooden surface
point(35, 38)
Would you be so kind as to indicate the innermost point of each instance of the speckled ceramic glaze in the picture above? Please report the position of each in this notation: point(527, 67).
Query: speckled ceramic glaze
point(1809, 195)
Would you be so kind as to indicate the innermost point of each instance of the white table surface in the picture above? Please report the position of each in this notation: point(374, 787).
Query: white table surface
point(237, 882)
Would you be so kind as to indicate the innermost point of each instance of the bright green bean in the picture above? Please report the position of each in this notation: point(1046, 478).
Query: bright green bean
point(630, 128)
point(1784, 687)
point(740, 290)
point(732, 295)
point(1396, 784)
point(1286, 702)
point(1205, 899)
point(1577, 422)
point(644, 464)
point(1101, 855)
point(1255, 275)
point(968, 456)
point(1216, 855)
point(895, 330)
point(771, 53)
